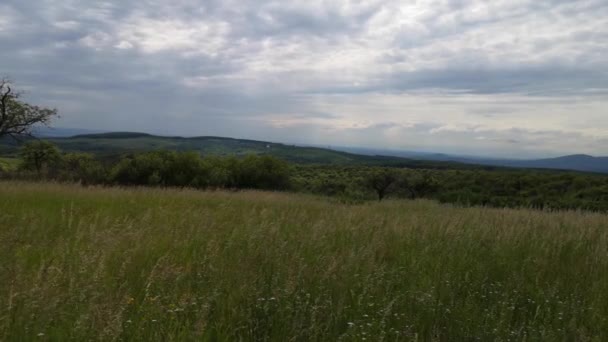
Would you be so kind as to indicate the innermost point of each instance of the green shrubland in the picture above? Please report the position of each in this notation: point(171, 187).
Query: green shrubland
point(513, 188)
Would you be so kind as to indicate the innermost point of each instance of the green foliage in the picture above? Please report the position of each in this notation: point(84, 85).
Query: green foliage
point(188, 169)
point(40, 156)
point(347, 183)
point(497, 188)
point(381, 180)
point(8, 164)
point(166, 168)
point(82, 168)
point(262, 172)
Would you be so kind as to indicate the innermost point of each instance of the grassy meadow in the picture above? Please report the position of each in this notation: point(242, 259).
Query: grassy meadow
point(151, 264)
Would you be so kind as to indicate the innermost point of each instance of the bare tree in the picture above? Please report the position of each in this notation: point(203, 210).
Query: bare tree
point(17, 118)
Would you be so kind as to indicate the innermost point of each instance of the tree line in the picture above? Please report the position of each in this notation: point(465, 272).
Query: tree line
point(41, 159)
point(351, 184)
point(515, 188)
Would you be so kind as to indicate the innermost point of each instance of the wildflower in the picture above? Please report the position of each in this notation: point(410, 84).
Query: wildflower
point(40, 334)
point(351, 324)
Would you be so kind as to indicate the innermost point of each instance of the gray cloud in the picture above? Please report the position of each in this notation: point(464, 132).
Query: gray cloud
point(363, 70)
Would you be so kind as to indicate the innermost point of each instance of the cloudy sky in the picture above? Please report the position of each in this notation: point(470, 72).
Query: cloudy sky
point(517, 78)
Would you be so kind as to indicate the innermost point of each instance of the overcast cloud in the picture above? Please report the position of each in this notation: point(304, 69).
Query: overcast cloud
point(517, 78)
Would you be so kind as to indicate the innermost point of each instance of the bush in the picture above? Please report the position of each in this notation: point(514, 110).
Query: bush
point(187, 169)
point(262, 172)
point(159, 168)
point(82, 168)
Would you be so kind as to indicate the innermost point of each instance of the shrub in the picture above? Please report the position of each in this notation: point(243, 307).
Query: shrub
point(82, 168)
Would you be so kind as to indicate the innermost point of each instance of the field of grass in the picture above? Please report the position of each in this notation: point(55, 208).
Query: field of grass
point(150, 264)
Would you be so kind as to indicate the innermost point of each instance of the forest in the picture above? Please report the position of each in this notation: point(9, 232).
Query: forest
point(495, 187)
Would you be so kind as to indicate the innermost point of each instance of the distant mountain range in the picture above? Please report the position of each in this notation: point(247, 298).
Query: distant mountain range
point(575, 162)
point(115, 143)
point(60, 132)
point(578, 162)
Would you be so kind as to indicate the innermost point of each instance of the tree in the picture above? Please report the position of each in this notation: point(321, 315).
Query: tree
point(381, 180)
point(262, 172)
point(83, 168)
point(17, 118)
point(421, 185)
point(39, 155)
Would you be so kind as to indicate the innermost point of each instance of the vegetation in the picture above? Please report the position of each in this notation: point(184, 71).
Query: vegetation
point(8, 164)
point(39, 156)
point(112, 146)
point(138, 254)
point(381, 180)
point(498, 188)
point(43, 160)
point(351, 184)
point(151, 264)
point(17, 118)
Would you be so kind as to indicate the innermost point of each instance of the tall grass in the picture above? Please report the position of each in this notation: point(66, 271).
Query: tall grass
point(144, 264)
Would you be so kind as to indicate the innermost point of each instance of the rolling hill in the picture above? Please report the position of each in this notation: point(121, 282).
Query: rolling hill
point(576, 162)
point(115, 144)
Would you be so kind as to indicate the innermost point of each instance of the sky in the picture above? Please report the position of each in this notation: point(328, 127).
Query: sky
point(503, 78)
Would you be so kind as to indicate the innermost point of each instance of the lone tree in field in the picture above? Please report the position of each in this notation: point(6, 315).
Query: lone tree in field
point(381, 180)
point(17, 118)
point(39, 156)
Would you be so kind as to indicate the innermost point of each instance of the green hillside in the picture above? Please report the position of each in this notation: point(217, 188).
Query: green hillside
point(113, 143)
point(120, 143)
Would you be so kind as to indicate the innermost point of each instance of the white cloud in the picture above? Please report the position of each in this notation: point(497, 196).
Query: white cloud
point(124, 45)
point(157, 35)
point(7, 21)
point(388, 73)
point(97, 40)
point(67, 25)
